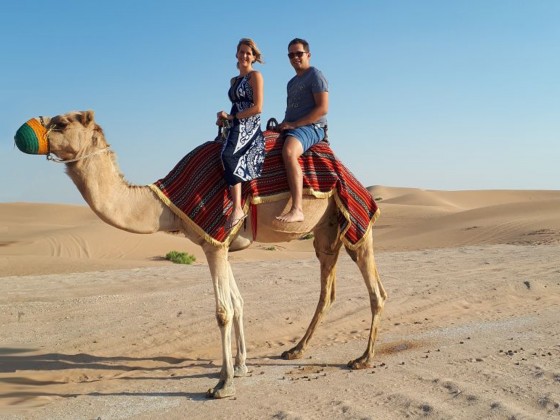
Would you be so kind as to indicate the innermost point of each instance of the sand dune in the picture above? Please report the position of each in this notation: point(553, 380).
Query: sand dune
point(415, 219)
point(96, 324)
point(64, 239)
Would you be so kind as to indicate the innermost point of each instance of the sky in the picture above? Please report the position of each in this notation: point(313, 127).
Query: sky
point(430, 94)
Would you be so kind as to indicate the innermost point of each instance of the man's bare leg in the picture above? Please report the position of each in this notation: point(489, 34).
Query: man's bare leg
point(291, 152)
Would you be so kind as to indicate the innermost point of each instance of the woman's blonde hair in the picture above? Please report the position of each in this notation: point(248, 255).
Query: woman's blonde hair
point(251, 44)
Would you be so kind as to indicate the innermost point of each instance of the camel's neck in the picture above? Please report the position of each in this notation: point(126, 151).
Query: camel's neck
point(132, 208)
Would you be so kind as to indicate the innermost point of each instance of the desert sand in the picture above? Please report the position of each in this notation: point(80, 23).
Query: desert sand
point(96, 324)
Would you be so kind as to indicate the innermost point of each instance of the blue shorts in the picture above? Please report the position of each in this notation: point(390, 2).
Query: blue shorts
point(308, 135)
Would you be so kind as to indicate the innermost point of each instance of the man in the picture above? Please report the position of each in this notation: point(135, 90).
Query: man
point(305, 120)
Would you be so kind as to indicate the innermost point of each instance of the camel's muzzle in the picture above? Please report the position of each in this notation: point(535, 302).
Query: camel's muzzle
point(31, 138)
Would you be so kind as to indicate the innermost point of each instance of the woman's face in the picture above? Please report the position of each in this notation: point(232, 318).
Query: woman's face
point(245, 56)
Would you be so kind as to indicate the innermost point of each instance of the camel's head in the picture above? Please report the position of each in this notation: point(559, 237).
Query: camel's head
point(65, 136)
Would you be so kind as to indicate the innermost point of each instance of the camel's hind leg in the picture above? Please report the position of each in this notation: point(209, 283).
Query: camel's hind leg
point(327, 247)
point(363, 256)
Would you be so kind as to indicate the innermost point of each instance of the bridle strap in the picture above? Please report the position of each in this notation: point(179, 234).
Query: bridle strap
point(56, 159)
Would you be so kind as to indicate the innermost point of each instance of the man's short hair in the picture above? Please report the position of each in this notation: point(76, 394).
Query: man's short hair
point(300, 41)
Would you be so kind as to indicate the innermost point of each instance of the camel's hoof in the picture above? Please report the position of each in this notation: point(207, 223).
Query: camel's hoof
point(359, 364)
point(221, 391)
point(240, 371)
point(292, 354)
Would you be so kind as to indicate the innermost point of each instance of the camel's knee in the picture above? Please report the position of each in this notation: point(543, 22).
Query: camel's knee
point(378, 301)
point(223, 316)
point(383, 295)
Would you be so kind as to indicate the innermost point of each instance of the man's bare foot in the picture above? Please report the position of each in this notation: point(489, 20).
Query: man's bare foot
point(234, 218)
point(294, 215)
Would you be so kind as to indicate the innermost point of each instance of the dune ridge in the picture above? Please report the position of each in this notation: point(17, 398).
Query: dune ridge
point(411, 219)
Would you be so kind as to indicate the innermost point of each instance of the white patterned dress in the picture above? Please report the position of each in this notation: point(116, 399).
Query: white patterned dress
point(243, 150)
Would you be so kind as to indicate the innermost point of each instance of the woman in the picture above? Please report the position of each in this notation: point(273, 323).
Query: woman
point(243, 150)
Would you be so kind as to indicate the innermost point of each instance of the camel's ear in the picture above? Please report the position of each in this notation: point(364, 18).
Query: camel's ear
point(86, 118)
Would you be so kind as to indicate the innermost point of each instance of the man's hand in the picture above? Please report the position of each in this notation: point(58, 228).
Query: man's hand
point(285, 125)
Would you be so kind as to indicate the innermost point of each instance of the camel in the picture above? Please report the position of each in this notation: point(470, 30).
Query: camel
point(78, 141)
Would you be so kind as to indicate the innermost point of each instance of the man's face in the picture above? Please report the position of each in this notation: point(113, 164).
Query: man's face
point(299, 59)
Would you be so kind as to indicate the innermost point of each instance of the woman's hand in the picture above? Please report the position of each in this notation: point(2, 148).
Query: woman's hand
point(221, 117)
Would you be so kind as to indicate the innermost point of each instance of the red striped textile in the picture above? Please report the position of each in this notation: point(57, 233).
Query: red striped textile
point(196, 191)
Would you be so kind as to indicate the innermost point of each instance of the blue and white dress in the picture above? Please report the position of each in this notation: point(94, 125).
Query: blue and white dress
point(243, 150)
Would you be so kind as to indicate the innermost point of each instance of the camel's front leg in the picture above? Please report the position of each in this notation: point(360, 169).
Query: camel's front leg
point(220, 271)
point(240, 368)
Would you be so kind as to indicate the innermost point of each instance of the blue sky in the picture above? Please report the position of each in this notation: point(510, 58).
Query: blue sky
point(434, 94)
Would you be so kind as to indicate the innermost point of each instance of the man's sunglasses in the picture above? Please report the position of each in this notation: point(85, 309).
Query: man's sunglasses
point(297, 54)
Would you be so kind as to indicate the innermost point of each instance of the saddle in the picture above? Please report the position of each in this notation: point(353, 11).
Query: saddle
point(195, 189)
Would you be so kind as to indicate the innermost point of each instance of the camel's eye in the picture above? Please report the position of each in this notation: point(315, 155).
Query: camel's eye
point(58, 124)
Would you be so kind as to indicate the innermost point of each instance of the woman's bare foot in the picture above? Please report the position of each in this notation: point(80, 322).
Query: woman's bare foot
point(294, 215)
point(234, 218)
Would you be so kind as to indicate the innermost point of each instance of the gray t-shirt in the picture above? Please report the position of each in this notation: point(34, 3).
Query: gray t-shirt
point(300, 95)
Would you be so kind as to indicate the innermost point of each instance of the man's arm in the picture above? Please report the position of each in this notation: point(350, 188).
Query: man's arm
point(321, 108)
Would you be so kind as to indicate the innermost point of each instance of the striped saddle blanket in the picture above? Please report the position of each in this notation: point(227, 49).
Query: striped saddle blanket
point(195, 190)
